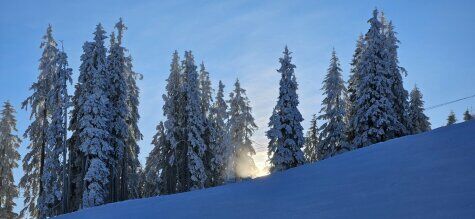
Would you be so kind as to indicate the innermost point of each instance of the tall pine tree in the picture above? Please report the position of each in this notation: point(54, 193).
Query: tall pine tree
point(194, 176)
point(54, 179)
point(285, 133)
point(9, 156)
point(351, 91)
point(132, 169)
point(400, 95)
point(209, 136)
point(221, 144)
point(241, 128)
point(333, 131)
point(375, 118)
point(117, 95)
point(172, 110)
point(93, 120)
point(34, 160)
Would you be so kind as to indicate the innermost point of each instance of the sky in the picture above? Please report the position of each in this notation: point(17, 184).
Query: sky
point(244, 39)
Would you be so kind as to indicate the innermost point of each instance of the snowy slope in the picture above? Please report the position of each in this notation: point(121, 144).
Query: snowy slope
point(430, 175)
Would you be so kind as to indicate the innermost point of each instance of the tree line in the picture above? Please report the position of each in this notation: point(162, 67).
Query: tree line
point(205, 138)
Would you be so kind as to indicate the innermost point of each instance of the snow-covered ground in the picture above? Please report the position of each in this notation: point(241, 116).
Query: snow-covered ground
point(430, 175)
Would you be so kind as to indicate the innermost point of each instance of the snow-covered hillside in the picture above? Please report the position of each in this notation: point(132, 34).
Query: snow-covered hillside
point(430, 175)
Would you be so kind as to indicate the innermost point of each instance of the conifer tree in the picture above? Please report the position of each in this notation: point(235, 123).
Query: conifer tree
point(34, 160)
point(155, 162)
point(241, 127)
point(419, 122)
point(221, 145)
point(209, 135)
point(54, 179)
point(135, 135)
point(285, 133)
point(400, 95)
point(132, 169)
point(375, 118)
point(311, 151)
point(332, 132)
point(93, 117)
point(9, 156)
point(172, 110)
point(451, 119)
point(351, 91)
point(117, 95)
point(467, 116)
point(76, 157)
point(194, 176)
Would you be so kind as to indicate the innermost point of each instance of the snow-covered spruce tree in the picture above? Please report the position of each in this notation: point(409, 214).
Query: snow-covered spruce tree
point(311, 151)
point(9, 156)
point(135, 135)
point(173, 111)
point(400, 95)
point(221, 144)
point(451, 119)
point(209, 135)
point(241, 127)
point(76, 157)
point(333, 131)
point(351, 91)
point(54, 179)
point(154, 163)
point(194, 176)
point(117, 95)
point(375, 118)
point(93, 122)
point(33, 162)
point(285, 131)
point(419, 121)
point(467, 116)
point(133, 168)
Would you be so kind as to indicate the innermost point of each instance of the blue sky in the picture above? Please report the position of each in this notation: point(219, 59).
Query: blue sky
point(245, 39)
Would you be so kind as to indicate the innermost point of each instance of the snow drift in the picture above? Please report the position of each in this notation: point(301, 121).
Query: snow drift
point(429, 175)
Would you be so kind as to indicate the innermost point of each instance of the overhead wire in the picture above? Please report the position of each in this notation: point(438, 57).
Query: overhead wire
point(449, 102)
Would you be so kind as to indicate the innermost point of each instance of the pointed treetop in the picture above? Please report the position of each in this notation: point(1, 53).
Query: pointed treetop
point(188, 54)
point(374, 20)
point(48, 37)
point(99, 34)
point(7, 105)
point(120, 26)
point(49, 31)
point(375, 13)
point(287, 53)
point(175, 60)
